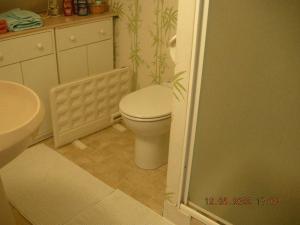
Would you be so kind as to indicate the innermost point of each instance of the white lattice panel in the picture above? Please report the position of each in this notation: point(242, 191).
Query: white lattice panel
point(85, 106)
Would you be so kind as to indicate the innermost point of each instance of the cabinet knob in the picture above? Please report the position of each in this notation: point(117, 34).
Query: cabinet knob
point(40, 46)
point(102, 32)
point(72, 38)
point(1, 56)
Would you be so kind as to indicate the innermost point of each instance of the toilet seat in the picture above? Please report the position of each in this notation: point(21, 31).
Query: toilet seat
point(152, 103)
point(146, 119)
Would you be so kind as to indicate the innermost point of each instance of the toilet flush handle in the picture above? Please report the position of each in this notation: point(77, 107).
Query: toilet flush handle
point(172, 42)
point(172, 46)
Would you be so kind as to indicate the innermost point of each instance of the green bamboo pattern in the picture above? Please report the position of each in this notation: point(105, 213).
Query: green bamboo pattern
point(165, 22)
point(178, 88)
point(117, 7)
point(133, 27)
point(133, 18)
point(168, 196)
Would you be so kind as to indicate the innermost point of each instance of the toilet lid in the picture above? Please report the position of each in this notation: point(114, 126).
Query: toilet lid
point(150, 102)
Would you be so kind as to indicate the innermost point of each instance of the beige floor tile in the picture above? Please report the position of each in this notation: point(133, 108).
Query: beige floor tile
point(110, 158)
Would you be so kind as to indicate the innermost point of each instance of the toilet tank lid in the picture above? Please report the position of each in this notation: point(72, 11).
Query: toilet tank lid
point(150, 102)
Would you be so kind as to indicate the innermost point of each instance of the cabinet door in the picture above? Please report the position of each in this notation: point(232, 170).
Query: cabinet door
point(72, 64)
point(100, 57)
point(40, 75)
point(11, 73)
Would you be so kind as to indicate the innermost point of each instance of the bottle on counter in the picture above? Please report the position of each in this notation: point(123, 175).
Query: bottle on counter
point(98, 7)
point(3, 26)
point(53, 8)
point(68, 7)
point(83, 8)
point(75, 7)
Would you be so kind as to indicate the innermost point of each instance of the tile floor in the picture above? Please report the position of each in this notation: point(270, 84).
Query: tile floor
point(110, 157)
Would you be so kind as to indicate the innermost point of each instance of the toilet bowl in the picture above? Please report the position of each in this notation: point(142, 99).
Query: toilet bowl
point(147, 113)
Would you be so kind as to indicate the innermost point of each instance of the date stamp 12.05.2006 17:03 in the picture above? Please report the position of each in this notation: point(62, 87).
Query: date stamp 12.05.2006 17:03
point(242, 201)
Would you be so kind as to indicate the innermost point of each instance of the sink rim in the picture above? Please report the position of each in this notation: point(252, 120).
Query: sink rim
point(32, 116)
point(24, 129)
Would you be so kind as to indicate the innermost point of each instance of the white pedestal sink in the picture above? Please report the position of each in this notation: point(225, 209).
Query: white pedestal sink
point(21, 114)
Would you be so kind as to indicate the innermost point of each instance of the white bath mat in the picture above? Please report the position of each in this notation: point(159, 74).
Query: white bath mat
point(48, 189)
point(119, 209)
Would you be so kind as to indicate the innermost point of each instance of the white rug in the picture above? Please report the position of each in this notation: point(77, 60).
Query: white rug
point(48, 189)
point(119, 209)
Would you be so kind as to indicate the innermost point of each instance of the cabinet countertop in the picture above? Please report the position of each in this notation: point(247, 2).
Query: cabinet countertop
point(60, 21)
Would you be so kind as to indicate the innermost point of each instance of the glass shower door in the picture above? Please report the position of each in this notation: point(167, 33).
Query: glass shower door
point(246, 157)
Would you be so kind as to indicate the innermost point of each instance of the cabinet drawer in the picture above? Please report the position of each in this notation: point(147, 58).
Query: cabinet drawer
point(11, 73)
point(26, 47)
point(8, 52)
point(72, 64)
point(35, 45)
point(100, 57)
point(74, 36)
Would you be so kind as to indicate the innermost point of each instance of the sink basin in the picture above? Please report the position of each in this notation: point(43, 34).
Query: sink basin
point(21, 114)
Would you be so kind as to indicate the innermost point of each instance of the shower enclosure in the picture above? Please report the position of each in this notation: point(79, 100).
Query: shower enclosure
point(243, 159)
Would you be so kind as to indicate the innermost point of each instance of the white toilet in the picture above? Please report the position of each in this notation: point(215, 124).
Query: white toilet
point(147, 112)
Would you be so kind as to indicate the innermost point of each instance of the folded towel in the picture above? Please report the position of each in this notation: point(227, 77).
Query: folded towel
point(18, 19)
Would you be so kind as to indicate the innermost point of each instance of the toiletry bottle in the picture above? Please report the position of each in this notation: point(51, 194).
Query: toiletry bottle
point(82, 8)
point(53, 8)
point(3, 26)
point(68, 7)
point(75, 7)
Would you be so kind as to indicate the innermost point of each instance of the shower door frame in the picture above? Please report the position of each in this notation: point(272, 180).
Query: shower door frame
point(191, 35)
point(197, 61)
point(200, 28)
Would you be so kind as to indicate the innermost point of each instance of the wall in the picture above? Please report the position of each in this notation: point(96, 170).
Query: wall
point(35, 5)
point(185, 33)
point(142, 33)
point(183, 71)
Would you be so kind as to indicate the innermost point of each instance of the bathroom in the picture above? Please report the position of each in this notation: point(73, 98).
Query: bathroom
point(197, 128)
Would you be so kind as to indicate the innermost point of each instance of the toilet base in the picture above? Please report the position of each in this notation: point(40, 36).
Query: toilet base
point(151, 152)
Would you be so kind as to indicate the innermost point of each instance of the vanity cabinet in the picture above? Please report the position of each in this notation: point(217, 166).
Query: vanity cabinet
point(40, 75)
point(84, 49)
point(72, 64)
point(31, 60)
point(43, 58)
point(11, 73)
